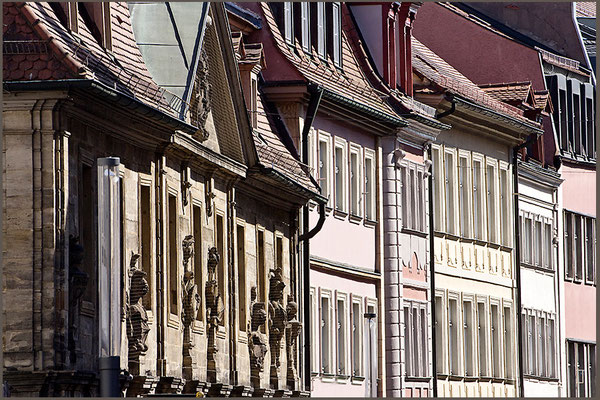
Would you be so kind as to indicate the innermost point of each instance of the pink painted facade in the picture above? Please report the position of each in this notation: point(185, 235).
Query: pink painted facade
point(579, 189)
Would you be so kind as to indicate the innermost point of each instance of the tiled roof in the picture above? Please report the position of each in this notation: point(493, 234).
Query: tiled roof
point(429, 65)
point(560, 61)
point(586, 9)
point(69, 55)
point(543, 100)
point(509, 92)
point(270, 148)
point(351, 83)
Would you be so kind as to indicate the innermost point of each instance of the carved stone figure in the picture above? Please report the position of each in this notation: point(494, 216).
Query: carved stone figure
point(277, 322)
point(201, 102)
point(256, 340)
point(78, 281)
point(292, 331)
point(214, 311)
point(137, 319)
point(191, 303)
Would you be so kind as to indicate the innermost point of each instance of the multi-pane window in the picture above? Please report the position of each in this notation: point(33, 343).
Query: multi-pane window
point(305, 25)
point(468, 334)
point(574, 116)
point(324, 168)
point(340, 173)
point(336, 37)
point(369, 185)
point(465, 194)
point(539, 344)
point(449, 190)
point(536, 241)
point(198, 255)
point(146, 239)
point(453, 332)
point(416, 339)
point(288, 22)
point(241, 280)
point(411, 188)
point(314, 329)
point(438, 187)
point(341, 332)
point(326, 350)
point(220, 240)
point(482, 333)
point(580, 247)
point(355, 179)
point(321, 30)
point(172, 251)
point(505, 205)
point(581, 369)
point(495, 336)
point(439, 334)
point(509, 346)
point(491, 200)
point(478, 199)
point(357, 338)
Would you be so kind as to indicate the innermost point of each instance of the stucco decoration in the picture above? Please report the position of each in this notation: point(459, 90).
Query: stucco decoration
point(257, 343)
point(191, 303)
point(137, 319)
point(201, 105)
point(292, 331)
point(277, 322)
point(214, 311)
point(78, 281)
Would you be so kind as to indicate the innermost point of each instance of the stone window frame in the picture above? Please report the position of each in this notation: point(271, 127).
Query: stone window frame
point(438, 187)
point(509, 349)
point(412, 176)
point(454, 354)
point(370, 214)
point(469, 298)
point(441, 331)
point(451, 190)
point(494, 183)
point(357, 150)
point(357, 356)
point(480, 225)
point(485, 330)
point(326, 182)
point(173, 319)
point(340, 205)
point(541, 318)
point(465, 198)
point(222, 328)
point(240, 222)
point(329, 374)
point(198, 325)
point(414, 309)
point(527, 257)
point(341, 358)
point(145, 180)
point(497, 370)
point(506, 204)
point(580, 240)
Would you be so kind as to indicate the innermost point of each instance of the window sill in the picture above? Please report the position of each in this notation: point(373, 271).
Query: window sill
point(369, 223)
point(327, 377)
point(173, 321)
point(88, 309)
point(537, 268)
point(341, 378)
point(540, 378)
point(198, 327)
point(355, 219)
point(471, 378)
point(455, 377)
point(417, 378)
point(328, 210)
point(357, 380)
point(414, 232)
point(339, 214)
point(243, 337)
point(221, 333)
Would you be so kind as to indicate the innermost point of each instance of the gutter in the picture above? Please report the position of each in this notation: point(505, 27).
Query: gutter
point(517, 246)
point(105, 92)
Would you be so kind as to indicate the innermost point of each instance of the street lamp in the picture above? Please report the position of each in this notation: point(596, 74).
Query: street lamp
point(372, 384)
point(109, 280)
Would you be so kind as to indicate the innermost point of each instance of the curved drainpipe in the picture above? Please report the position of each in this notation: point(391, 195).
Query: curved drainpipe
point(517, 246)
point(313, 105)
point(450, 111)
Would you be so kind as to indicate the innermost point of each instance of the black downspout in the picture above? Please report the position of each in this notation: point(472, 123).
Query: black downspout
point(313, 105)
point(432, 271)
point(517, 244)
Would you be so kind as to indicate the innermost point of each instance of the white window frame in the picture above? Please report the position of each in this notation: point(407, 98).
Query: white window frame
point(497, 354)
point(370, 187)
point(305, 25)
point(492, 183)
point(450, 191)
point(441, 331)
point(325, 182)
point(321, 31)
point(509, 349)
point(328, 316)
point(454, 352)
point(506, 209)
point(336, 33)
point(356, 323)
point(341, 343)
point(469, 298)
point(315, 331)
point(355, 203)
point(438, 187)
point(479, 197)
point(483, 372)
point(465, 191)
point(342, 145)
point(288, 22)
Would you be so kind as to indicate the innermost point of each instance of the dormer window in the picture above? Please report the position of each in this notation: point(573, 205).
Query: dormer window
point(305, 25)
point(320, 25)
point(288, 22)
point(336, 37)
point(97, 19)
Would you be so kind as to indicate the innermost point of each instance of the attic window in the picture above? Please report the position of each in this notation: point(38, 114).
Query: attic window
point(336, 34)
point(66, 12)
point(288, 22)
point(96, 17)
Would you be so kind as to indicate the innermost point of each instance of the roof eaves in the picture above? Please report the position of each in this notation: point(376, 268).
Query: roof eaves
point(247, 15)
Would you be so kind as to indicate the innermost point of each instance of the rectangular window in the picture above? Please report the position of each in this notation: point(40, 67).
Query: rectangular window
point(305, 21)
point(420, 204)
point(569, 234)
point(439, 338)
point(241, 270)
point(172, 243)
point(314, 329)
point(288, 22)
point(496, 354)
point(340, 177)
point(357, 344)
point(491, 204)
point(325, 335)
point(414, 214)
point(146, 238)
point(279, 253)
point(369, 185)
point(565, 144)
point(220, 231)
point(509, 347)
point(541, 345)
point(253, 103)
point(405, 190)
point(577, 123)
point(408, 348)
point(478, 200)
point(547, 253)
point(505, 207)
point(324, 156)
point(590, 248)
point(468, 337)
point(537, 243)
point(341, 337)
point(453, 346)
point(482, 339)
point(321, 29)
point(336, 32)
point(197, 229)
point(438, 187)
point(581, 369)
point(261, 270)
point(578, 239)
point(87, 218)
point(416, 341)
point(528, 241)
point(354, 181)
point(465, 195)
point(531, 345)
point(551, 349)
point(449, 171)
point(424, 342)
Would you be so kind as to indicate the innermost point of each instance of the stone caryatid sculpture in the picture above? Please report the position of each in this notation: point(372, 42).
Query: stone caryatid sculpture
point(214, 310)
point(137, 319)
point(277, 322)
point(292, 331)
point(191, 303)
point(256, 340)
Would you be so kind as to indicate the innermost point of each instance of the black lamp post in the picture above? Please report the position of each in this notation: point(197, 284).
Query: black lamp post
point(109, 279)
